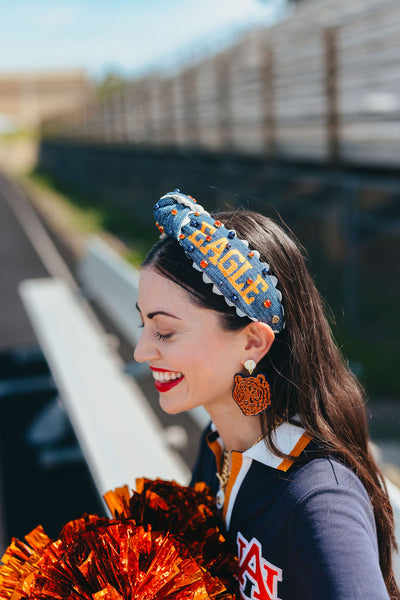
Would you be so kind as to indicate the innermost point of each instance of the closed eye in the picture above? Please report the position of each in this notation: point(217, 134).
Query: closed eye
point(162, 337)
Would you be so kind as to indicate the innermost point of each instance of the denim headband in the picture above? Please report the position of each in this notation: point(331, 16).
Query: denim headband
point(235, 271)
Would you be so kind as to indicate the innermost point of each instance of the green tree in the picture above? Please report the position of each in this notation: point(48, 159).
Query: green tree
point(111, 84)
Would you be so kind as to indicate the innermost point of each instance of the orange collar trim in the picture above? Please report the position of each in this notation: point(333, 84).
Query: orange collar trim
point(290, 439)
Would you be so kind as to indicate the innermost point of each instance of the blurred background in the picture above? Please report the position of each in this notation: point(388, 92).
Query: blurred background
point(290, 108)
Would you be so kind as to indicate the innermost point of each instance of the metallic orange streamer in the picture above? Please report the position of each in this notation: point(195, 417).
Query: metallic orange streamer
point(165, 542)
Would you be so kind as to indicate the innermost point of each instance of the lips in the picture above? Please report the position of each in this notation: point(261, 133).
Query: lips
point(165, 380)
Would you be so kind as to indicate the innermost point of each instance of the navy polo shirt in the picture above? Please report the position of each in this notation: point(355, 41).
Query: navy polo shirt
point(303, 531)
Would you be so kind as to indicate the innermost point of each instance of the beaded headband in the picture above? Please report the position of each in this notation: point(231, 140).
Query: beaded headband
point(235, 271)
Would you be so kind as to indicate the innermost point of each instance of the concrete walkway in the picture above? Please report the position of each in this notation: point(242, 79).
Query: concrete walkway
point(18, 261)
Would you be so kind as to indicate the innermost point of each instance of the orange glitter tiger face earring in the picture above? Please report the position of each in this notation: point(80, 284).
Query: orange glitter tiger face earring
point(251, 394)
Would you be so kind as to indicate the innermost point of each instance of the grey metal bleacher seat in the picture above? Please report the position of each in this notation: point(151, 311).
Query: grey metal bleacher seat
point(113, 283)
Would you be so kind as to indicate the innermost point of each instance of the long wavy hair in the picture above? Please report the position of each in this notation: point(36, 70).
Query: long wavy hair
point(309, 377)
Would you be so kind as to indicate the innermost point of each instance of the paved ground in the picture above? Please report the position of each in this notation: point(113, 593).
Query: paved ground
point(18, 261)
point(43, 478)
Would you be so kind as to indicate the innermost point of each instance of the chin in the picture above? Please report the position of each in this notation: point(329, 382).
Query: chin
point(169, 406)
point(173, 405)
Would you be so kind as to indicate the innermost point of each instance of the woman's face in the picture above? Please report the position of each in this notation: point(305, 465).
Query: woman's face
point(192, 358)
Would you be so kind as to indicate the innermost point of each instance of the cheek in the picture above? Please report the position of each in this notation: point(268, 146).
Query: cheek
point(221, 360)
point(206, 358)
point(180, 357)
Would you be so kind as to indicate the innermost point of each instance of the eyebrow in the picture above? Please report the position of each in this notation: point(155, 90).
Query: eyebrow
point(158, 312)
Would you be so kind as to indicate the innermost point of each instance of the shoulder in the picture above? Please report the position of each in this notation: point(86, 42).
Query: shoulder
point(320, 499)
point(332, 530)
point(327, 497)
point(321, 476)
point(318, 492)
point(331, 515)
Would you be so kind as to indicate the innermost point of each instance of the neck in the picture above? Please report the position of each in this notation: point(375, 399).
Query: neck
point(237, 431)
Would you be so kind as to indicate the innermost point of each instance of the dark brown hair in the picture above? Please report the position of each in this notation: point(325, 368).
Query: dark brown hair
point(307, 373)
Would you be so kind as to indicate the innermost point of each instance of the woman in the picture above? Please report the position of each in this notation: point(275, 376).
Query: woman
point(287, 452)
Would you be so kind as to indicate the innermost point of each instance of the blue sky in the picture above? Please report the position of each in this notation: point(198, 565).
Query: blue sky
point(119, 35)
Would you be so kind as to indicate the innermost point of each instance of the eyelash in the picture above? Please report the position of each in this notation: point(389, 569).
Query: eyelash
point(158, 335)
point(162, 337)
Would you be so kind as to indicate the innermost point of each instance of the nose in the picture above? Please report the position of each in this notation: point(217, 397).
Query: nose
point(145, 349)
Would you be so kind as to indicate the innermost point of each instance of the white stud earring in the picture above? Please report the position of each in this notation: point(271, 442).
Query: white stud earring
point(250, 365)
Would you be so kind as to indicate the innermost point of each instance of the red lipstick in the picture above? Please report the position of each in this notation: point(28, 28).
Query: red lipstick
point(164, 386)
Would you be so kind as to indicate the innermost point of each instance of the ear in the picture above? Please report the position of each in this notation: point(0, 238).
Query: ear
point(258, 340)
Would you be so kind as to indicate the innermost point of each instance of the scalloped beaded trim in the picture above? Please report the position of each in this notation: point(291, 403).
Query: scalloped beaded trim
point(196, 211)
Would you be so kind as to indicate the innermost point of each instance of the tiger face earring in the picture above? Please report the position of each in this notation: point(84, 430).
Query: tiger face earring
point(251, 394)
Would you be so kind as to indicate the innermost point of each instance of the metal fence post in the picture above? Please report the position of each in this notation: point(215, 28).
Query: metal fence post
point(331, 78)
point(267, 99)
point(349, 187)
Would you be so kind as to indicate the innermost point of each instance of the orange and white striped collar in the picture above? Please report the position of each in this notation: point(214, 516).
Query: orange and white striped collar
point(290, 439)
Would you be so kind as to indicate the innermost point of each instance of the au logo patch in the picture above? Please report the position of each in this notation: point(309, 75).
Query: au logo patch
point(258, 578)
